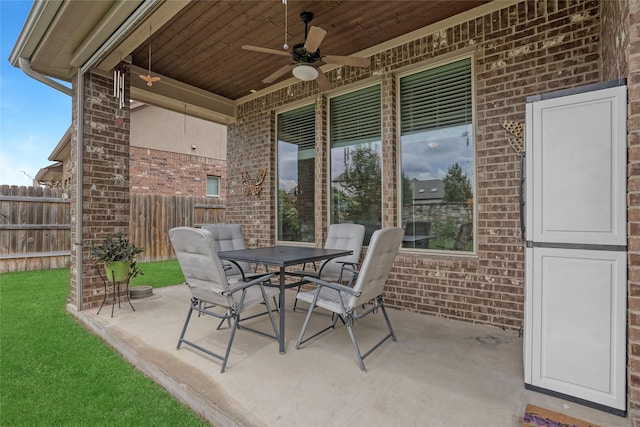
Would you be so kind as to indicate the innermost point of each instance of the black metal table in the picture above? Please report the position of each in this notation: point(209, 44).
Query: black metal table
point(283, 257)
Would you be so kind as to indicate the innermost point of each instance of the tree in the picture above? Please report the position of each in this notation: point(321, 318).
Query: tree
point(407, 191)
point(362, 181)
point(457, 186)
point(289, 216)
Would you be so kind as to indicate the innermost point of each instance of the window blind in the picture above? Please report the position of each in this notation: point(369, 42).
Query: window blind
point(355, 117)
point(436, 98)
point(298, 127)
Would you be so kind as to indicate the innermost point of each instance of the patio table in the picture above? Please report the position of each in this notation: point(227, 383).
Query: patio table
point(283, 257)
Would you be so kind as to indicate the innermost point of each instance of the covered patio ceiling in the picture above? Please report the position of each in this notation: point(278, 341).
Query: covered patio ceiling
point(196, 46)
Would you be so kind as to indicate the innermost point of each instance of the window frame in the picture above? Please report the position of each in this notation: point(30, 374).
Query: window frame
point(327, 184)
point(398, 123)
point(217, 196)
point(289, 108)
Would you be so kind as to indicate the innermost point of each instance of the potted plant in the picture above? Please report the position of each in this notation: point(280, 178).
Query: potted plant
point(118, 255)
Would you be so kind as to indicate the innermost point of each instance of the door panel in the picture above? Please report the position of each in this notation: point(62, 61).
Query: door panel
point(578, 323)
point(576, 163)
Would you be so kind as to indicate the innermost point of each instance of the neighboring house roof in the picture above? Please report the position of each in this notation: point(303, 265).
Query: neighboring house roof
point(51, 173)
point(61, 152)
point(429, 189)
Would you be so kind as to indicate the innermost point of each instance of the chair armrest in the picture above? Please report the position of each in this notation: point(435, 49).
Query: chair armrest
point(334, 286)
point(345, 263)
point(244, 278)
point(244, 285)
point(353, 269)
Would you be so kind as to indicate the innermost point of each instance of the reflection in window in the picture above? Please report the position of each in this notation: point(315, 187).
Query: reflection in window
point(296, 174)
point(436, 119)
point(355, 168)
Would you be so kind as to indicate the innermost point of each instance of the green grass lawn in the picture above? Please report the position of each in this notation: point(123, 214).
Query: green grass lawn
point(53, 372)
point(159, 274)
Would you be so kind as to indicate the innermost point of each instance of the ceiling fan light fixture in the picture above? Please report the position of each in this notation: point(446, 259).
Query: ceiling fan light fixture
point(305, 72)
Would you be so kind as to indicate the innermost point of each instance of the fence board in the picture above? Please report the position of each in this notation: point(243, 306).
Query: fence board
point(35, 230)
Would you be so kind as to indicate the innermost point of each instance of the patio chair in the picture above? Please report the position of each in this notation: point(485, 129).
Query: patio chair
point(208, 283)
point(229, 237)
point(369, 285)
point(340, 236)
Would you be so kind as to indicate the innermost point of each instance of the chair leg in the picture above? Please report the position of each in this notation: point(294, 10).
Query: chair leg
point(305, 324)
point(334, 320)
point(186, 323)
point(295, 300)
point(228, 318)
point(348, 323)
point(269, 312)
point(386, 319)
point(236, 319)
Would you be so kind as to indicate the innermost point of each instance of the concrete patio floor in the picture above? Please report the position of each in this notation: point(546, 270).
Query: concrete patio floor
point(439, 373)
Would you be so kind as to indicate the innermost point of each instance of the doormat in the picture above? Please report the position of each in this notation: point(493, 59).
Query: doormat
point(535, 416)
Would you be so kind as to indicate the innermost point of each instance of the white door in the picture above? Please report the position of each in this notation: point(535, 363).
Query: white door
point(575, 282)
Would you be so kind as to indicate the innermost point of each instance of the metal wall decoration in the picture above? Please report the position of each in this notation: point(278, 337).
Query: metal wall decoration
point(118, 84)
point(253, 185)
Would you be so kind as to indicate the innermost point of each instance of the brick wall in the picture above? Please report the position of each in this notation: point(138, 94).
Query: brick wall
point(630, 19)
point(164, 172)
point(524, 49)
point(105, 185)
point(250, 147)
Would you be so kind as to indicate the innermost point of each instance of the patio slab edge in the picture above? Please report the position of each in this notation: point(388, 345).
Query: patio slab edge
point(224, 412)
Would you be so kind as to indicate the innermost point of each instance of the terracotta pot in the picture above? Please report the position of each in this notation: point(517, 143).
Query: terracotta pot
point(117, 271)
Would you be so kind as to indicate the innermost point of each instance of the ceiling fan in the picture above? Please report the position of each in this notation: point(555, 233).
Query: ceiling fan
point(306, 54)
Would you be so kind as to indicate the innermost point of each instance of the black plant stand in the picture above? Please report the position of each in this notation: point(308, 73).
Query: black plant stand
point(116, 291)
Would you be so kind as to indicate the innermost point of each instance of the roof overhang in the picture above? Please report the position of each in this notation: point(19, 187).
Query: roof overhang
point(201, 43)
point(63, 37)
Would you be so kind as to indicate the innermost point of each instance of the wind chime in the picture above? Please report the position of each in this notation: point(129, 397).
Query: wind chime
point(118, 84)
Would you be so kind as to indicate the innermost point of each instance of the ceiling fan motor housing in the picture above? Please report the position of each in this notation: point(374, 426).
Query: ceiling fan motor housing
point(300, 54)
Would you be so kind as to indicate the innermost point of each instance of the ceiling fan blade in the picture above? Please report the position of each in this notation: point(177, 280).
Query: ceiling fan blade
point(266, 50)
point(323, 81)
point(347, 60)
point(314, 38)
point(278, 73)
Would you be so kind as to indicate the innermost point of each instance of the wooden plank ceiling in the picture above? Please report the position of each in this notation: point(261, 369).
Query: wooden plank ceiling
point(201, 46)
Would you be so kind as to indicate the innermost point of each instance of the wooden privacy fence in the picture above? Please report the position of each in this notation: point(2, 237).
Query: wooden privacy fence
point(153, 216)
point(35, 230)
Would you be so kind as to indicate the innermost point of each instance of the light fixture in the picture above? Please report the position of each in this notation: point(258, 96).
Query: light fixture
point(305, 72)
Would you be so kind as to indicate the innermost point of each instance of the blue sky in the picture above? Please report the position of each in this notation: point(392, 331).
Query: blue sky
point(33, 116)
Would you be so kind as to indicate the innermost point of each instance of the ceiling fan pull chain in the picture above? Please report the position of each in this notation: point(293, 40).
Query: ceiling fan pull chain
point(285, 46)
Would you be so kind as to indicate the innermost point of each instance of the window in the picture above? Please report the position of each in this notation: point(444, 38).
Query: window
point(355, 159)
point(296, 174)
point(437, 170)
point(213, 186)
